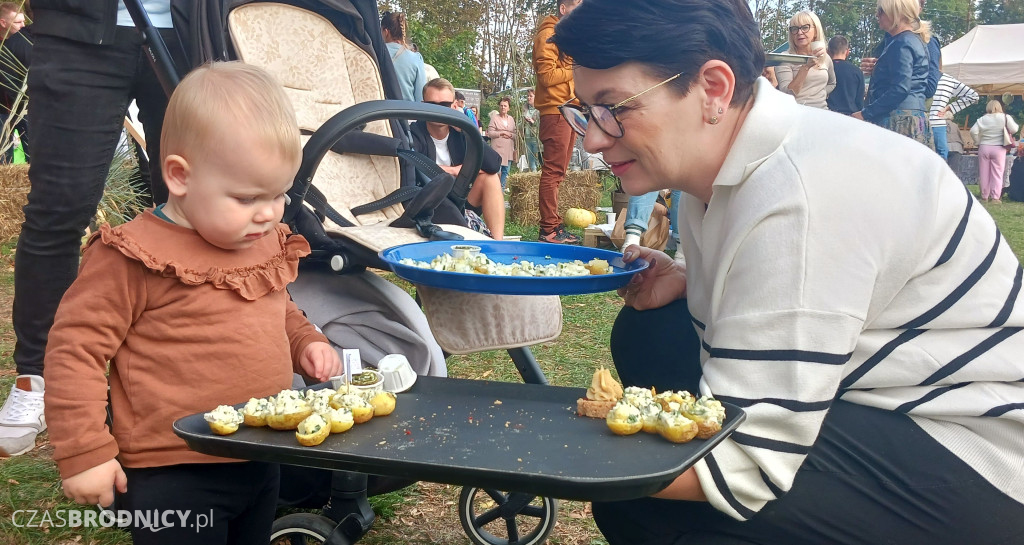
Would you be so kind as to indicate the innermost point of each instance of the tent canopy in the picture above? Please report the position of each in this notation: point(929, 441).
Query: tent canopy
point(989, 58)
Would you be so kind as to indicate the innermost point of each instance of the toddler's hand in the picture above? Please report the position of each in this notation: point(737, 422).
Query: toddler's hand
point(320, 361)
point(96, 484)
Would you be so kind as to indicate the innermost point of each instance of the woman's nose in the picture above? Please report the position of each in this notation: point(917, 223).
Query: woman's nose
point(595, 140)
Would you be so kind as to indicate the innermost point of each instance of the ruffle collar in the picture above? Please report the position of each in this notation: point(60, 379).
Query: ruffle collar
point(174, 251)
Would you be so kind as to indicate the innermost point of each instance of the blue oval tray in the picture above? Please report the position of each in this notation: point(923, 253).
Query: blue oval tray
point(508, 252)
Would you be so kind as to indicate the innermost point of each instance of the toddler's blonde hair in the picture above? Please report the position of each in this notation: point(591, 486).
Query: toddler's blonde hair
point(220, 99)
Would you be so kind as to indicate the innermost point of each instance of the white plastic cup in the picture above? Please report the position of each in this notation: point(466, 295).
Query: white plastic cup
point(819, 60)
point(611, 218)
point(398, 373)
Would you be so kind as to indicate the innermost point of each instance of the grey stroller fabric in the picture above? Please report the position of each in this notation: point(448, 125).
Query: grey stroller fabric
point(362, 310)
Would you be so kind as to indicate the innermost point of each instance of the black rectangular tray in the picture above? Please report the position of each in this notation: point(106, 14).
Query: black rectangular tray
point(499, 435)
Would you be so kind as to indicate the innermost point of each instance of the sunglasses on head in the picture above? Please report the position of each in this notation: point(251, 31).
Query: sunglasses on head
point(444, 103)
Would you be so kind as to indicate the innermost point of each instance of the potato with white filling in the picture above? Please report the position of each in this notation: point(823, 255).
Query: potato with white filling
point(312, 430)
point(224, 420)
point(383, 403)
point(708, 413)
point(676, 428)
point(255, 412)
point(288, 411)
point(341, 420)
point(361, 409)
point(624, 419)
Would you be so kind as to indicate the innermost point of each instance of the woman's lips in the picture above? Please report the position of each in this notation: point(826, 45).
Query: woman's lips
point(619, 168)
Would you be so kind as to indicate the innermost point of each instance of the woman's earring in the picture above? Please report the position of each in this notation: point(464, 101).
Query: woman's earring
point(714, 118)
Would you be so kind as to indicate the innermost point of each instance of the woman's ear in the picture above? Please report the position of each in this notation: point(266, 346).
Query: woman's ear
point(176, 171)
point(718, 83)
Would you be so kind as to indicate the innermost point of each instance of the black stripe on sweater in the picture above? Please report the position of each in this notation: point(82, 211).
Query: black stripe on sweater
point(1003, 409)
point(776, 491)
point(788, 404)
point(700, 325)
point(805, 356)
point(1004, 313)
point(769, 444)
point(877, 357)
point(958, 234)
point(960, 290)
point(723, 488)
point(911, 405)
point(967, 357)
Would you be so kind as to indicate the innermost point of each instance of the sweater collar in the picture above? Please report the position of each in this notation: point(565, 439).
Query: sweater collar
point(763, 132)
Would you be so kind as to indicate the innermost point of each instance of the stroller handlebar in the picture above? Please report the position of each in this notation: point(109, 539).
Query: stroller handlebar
point(358, 115)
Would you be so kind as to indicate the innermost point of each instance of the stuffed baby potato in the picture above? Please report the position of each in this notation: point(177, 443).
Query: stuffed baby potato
point(224, 420)
point(312, 430)
point(624, 419)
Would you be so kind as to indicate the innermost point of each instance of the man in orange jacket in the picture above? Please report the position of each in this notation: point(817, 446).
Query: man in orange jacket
point(554, 88)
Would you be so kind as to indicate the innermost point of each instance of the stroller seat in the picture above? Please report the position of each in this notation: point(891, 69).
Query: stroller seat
point(324, 72)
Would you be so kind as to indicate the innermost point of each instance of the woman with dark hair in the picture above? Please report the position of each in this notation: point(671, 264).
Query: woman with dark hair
point(882, 386)
point(412, 73)
point(899, 84)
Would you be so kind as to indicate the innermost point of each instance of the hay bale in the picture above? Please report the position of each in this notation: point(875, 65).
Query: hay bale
point(580, 189)
point(13, 196)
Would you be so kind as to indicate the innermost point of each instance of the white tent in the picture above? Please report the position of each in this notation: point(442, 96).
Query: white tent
point(989, 58)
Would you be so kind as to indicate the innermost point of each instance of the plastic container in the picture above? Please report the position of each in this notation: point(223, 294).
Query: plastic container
point(398, 373)
point(376, 385)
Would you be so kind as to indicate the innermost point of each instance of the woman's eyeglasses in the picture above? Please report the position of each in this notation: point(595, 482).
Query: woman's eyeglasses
point(445, 103)
point(802, 29)
point(579, 117)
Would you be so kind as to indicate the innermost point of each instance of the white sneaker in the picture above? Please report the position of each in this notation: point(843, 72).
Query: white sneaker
point(21, 417)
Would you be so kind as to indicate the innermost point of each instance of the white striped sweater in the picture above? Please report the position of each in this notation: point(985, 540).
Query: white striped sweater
point(838, 259)
point(953, 93)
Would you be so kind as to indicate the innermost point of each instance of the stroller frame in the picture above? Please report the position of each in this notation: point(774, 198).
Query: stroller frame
point(348, 515)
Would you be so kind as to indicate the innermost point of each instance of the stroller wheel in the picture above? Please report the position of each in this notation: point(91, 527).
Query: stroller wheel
point(301, 529)
point(492, 517)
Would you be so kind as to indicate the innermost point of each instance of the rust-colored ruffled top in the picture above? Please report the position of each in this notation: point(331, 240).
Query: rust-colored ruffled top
point(186, 326)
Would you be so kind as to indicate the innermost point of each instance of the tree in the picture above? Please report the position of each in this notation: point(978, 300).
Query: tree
point(1000, 12)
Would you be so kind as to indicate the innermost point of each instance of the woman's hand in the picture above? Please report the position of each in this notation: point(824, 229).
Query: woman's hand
point(96, 484)
point(320, 361)
point(659, 284)
point(858, 115)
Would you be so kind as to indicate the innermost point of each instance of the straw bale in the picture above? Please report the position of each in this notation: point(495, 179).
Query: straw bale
point(13, 196)
point(580, 189)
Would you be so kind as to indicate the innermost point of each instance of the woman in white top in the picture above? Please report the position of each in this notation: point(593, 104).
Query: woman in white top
point(987, 132)
point(811, 82)
point(861, 308)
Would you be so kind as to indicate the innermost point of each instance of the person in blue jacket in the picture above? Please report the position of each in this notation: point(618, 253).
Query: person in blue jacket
point(899, 84)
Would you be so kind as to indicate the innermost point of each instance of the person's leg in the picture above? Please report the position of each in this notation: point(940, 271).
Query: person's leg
point(638, 213)
point(235, 502)
point(984, 171)
point(557, 138)
point(873, 476)
point(503, 174)
point(152, 100)
point(487, 195)
point(998, 164)
point(939, 137)
point(79, 98)
point(531, 154)
point(657, 347)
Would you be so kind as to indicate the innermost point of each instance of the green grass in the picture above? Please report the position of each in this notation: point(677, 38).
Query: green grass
point(31, 481)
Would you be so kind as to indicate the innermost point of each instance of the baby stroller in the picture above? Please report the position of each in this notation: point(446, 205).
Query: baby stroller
point(354, 197)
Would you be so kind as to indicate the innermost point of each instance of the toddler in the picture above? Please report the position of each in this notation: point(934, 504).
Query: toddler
point(188, 303)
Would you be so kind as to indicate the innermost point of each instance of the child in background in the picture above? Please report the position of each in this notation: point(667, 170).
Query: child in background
point(188, 302)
